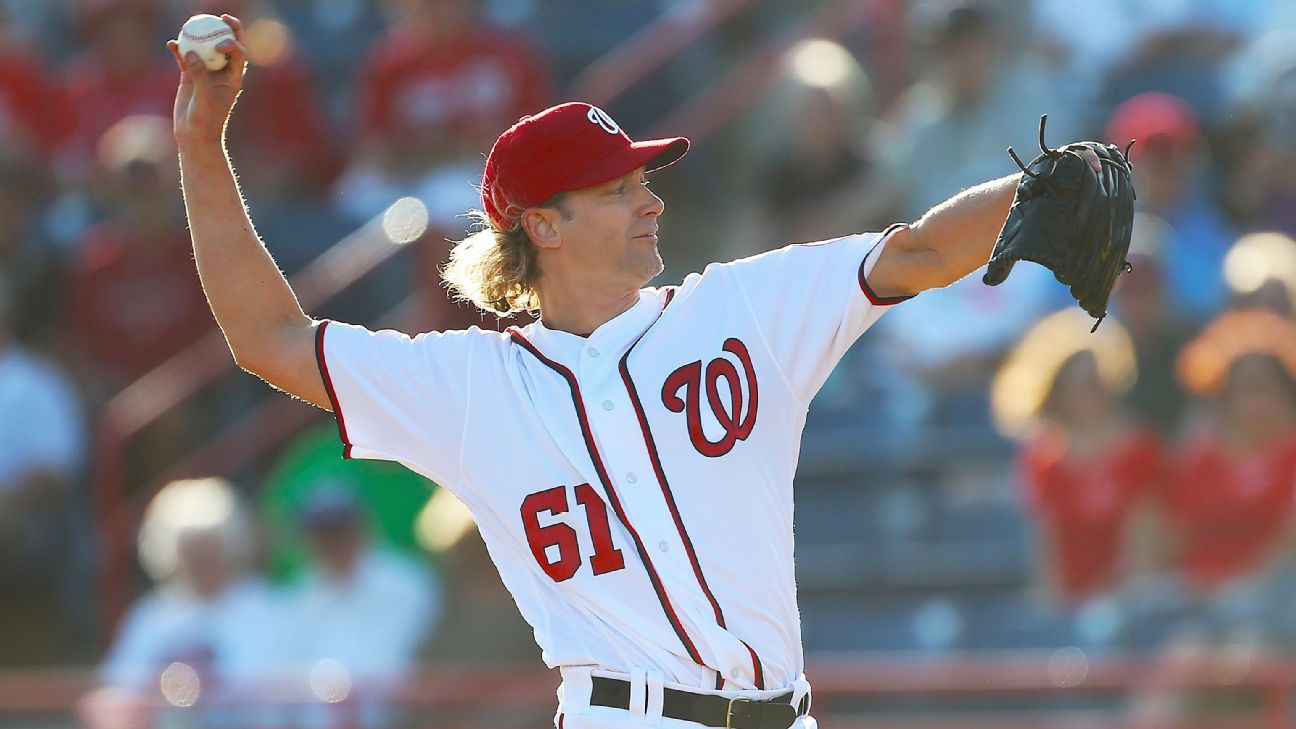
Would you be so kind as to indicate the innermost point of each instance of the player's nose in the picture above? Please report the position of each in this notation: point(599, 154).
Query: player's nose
point(654, 205)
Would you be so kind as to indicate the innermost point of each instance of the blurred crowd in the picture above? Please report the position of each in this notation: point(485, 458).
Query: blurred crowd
point(1155, 458)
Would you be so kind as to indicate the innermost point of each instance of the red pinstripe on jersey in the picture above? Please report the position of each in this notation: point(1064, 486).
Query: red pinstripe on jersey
point(669, 497)
point(588, 436)
point(756, 666)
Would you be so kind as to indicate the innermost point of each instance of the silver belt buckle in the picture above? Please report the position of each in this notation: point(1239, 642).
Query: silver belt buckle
point(729, 711)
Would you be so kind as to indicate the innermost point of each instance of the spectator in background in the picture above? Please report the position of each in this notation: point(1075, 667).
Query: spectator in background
point(949, 131)
point(1158, 329)
point(1260, 270)
point(135, 298)
point(209, 636)
point(31, 119)
point(1228, 511)
point(1088, 467)
point(1231, 503)
point(1259, 154)
point(432, 88)
point(29, 260)
point(281, 136)
point(1256, 144)
point(344, 534)
point(1147, 45)
point(392, 496)
point(974, 92)
point(42, 451)
point(1171, 175)
point(359, 613)
point(122, 71)
point(811, 174)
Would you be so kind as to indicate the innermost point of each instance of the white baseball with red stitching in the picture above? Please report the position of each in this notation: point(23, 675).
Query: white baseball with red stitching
point(201, 34)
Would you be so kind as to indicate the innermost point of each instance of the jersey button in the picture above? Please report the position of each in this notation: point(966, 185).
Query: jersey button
point(607, 405)
point(663, 546)
point(631, 478)
point(593, 351)
point(734, 674)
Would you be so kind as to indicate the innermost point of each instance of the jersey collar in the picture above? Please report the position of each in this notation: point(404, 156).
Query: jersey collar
point(609, 340)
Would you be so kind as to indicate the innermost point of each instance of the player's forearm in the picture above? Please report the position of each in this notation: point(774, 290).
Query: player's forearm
point(248, 294)
point(958, 235)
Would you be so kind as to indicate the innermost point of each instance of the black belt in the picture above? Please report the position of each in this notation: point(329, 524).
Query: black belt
point(714, 711)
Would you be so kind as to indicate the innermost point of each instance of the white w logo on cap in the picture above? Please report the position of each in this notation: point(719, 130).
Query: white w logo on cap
point(601, 118)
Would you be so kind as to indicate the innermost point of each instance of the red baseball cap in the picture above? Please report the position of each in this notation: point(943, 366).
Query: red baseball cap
point(1158, 121)
point(566, 147)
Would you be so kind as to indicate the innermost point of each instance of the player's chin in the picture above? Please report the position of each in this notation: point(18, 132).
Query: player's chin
point(648, 266)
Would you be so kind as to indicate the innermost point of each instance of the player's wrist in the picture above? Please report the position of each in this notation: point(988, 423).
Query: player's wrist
point(197, 149)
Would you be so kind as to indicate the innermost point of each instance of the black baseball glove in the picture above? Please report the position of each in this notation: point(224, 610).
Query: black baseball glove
point(1071, 220)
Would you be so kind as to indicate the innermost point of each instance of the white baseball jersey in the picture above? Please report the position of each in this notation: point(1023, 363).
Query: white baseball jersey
point(634, 487)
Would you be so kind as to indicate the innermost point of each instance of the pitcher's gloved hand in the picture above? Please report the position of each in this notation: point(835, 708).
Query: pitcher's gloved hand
point(1070, 219)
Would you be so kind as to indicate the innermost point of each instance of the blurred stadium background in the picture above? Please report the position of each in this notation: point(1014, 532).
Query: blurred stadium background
point(1001, 521)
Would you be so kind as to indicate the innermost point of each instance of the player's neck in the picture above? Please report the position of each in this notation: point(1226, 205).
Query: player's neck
point(579, 310)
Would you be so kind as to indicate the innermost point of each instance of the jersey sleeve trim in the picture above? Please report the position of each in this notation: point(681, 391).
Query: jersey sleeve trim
point(863, 281)
point(322, 363)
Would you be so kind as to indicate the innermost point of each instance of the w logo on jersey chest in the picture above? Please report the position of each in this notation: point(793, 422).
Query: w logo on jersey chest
point(735, 414)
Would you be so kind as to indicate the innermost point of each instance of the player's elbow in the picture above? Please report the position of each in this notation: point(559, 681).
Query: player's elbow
point(928, 267)
point(250, 353)
point(908, 266)
point(248, 362)
point(283, 356)
point(259, 364)
point(943, 271)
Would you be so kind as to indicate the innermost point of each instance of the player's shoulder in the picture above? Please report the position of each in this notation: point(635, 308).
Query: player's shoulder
point(471, 334)
point(430, 344)
point(787, 260)
point(781, 254)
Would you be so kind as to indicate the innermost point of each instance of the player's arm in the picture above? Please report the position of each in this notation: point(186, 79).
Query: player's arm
point(949, 241)
point(267, 331)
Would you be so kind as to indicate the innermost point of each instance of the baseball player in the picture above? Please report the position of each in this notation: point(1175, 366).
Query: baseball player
point(642, 519)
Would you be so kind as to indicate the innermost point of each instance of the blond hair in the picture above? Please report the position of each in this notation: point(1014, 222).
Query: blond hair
point(498, 270)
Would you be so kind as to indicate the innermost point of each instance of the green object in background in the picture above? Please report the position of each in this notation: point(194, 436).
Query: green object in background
point(392, 494)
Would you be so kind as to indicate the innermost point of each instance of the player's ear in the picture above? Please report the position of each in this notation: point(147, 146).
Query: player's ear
point(539, 224)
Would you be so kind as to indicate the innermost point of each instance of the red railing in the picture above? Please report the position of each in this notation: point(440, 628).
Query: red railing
point(849, 691)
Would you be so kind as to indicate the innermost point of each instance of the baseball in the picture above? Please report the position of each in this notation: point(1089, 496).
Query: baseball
point(201, 34)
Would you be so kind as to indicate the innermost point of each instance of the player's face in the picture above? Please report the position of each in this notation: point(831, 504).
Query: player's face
point(610, 231)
